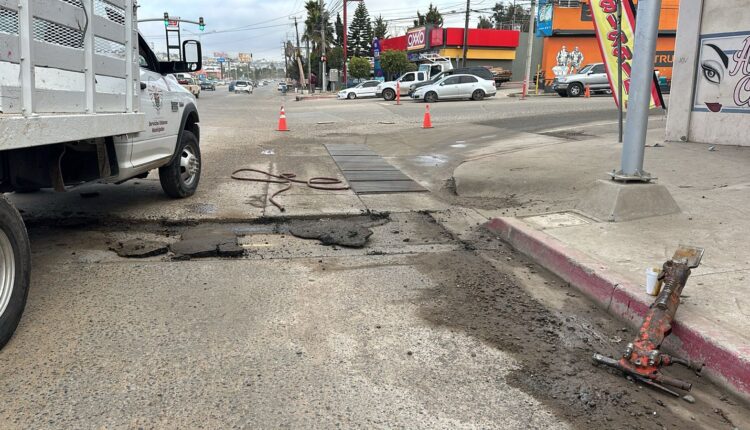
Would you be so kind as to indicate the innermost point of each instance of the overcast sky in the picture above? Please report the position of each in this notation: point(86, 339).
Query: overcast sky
point(260, 26)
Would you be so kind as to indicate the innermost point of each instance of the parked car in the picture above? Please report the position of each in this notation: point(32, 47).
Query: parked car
point(243, 87)
point(282, 87)
point(208, 85)
point(481, 72)
point(593, 75)
point(364, 89)
point(456, 87)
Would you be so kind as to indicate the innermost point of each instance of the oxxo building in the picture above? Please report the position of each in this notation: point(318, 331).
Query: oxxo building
point(570, 43)
point(486, 47)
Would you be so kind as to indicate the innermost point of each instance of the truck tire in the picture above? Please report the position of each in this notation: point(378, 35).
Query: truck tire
point(575, 90)
point(179, 179)
point(15, 269)
point(389, 94)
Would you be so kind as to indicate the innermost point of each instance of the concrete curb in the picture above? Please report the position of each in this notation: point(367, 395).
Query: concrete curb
point(300, 98)
point(518, 94)
point(622, 298)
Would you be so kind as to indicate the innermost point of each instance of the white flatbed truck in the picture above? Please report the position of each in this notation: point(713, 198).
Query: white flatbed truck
point(84, 99)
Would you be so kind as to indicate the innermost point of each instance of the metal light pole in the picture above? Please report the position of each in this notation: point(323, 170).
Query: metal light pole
point(641, 81)
point(466, 33)
point(529, 45)
point(323, 45)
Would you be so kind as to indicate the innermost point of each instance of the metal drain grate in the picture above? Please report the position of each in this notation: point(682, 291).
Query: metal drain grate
point(369, 173)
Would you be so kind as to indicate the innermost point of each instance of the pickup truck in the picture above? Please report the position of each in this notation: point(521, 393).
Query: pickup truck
point(592, 75)
point(387, 90)
point(189, 83)
point(74, 111)
point(432, 66)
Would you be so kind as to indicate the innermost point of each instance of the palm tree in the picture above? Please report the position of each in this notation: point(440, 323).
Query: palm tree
point(312, 32)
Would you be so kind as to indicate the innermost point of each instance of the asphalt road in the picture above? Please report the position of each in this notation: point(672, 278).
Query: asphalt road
point(433, 324)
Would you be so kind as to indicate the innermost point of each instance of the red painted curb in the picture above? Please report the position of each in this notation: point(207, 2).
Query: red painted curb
point(619, 297)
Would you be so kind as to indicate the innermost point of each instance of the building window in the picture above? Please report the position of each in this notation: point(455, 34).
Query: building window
point(570, 3)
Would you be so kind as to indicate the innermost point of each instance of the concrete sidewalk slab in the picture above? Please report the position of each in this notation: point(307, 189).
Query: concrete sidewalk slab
point(607, 260)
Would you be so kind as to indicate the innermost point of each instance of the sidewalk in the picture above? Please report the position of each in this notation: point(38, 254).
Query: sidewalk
point(607, 261)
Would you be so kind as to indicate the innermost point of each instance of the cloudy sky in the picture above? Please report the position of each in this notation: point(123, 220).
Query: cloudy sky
point(260, 26)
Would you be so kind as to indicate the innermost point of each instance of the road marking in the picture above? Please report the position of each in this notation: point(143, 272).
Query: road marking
point(589, 124)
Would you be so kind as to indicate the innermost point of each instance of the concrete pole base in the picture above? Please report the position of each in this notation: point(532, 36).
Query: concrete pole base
point(616, 201)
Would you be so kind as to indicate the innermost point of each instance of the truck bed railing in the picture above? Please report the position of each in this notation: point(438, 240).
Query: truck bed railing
point(68, 56)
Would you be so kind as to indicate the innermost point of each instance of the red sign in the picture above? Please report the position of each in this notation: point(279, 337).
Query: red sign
point(416, 39)
point(436, 37)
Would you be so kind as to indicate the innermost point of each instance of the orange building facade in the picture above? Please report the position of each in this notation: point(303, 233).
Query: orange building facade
point(567, 26)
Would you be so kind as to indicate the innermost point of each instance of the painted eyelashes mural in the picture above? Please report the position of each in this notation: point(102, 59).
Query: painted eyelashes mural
point(723, 74)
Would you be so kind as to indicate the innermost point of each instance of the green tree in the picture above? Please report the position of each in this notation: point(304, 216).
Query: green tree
point(380, 28)
point(360, 33)
point(336, 57)
point(395, 63)
point(312, 27)
point(339, 31)
point(359, 68)
point(505, 15)
point(485, 22)
point(432, 17)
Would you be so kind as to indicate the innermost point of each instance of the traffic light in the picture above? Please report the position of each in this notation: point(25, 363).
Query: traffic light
point(201, 24)
point(166, 19)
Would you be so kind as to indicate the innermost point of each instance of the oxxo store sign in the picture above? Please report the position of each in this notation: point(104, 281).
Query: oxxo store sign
point(416, 38)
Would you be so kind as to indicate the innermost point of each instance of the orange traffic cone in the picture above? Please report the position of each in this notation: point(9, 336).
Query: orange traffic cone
point(282, 121)
point(427, 123)
point(587, 93)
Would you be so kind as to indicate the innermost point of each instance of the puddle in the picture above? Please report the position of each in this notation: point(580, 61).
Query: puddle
point(431, 160)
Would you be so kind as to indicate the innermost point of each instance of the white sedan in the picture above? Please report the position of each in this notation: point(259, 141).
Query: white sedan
point(364, 89)
point(456, 87)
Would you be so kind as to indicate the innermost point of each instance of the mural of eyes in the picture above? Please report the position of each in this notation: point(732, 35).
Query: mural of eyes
point(711, 71)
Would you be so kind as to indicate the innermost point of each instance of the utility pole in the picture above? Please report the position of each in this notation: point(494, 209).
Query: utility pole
point(466, 33)
point(639, 94)
point(309, 65)
point(346, 34)
point(323, 45)
point(299, 54)
point(529, 46)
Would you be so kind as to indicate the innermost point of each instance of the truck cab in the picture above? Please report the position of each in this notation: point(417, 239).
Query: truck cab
point(74, 111)
point(387, 90)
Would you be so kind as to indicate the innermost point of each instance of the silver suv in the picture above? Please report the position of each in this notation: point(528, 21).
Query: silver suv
point(593, 75)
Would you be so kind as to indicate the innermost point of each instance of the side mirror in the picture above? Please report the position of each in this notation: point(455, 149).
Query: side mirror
point(192, 60)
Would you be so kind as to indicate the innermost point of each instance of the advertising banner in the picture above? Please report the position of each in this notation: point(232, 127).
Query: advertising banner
point(544, 18)
point(377, 70)
point(605, 26)
point(245, 58)
point(416, 38)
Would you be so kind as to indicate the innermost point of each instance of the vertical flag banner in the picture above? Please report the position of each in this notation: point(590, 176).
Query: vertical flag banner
point(604, 13)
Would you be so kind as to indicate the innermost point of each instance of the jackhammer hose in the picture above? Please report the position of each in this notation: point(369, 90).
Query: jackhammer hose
point(318, 182)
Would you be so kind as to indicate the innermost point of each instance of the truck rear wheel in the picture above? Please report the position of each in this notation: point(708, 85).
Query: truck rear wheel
point(389, 94)
point(179, 179)
point(15, 269)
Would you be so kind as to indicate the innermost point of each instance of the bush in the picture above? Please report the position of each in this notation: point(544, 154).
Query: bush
point(359, 68)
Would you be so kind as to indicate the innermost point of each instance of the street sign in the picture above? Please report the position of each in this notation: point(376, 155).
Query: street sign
point(173, 22)
point(221, 59)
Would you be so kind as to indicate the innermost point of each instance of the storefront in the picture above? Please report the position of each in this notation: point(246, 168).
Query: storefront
point(486, 47)
point(570, 42)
